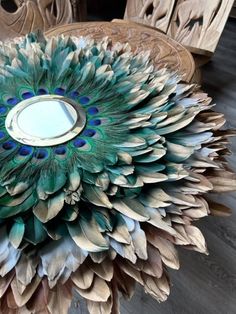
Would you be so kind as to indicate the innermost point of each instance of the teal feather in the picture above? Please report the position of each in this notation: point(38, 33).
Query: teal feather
point(104, 219)
point(35, 232)
point(8, 200)
point(51, 181)
point(48, 209)
point(17, 231)
point(2, 191)
point(9, 211)
point(87, 236)
point(70, 213)
point(55, 233)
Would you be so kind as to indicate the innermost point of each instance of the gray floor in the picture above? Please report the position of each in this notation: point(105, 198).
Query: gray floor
point(205, 284)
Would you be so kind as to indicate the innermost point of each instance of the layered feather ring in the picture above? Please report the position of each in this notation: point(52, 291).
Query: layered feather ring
point(108, 208)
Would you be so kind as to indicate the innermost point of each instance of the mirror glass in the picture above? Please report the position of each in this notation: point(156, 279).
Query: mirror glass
point(45, 120)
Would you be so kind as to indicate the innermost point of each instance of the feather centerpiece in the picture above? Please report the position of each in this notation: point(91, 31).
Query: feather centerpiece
point(108, 208)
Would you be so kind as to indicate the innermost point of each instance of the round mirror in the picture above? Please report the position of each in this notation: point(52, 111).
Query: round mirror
point(45, 120)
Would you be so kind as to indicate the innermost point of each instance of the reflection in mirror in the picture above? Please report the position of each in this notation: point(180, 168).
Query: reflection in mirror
point(45, 120)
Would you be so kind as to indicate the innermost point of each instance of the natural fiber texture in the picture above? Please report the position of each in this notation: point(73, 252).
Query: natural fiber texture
point(106, 209)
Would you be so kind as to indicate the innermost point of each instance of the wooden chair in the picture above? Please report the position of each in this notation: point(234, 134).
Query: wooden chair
point(19, 17)
point(197, 24)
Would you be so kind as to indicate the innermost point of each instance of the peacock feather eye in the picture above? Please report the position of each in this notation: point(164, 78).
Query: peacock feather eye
point(74, 94)
point(3, 110)
point(25, 150)
point(12, 101)
point(59, 91)
point(93, 110)
point(79, 143)
point(8, 145)
point(27, 95)
point(95, 122)
point(89, 132)
point(84, 100)
point(42, 91)
point(41, 154)
point(60, 150)
point(2, 134)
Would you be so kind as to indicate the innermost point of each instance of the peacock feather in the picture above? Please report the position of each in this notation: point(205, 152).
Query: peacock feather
point(107, 208)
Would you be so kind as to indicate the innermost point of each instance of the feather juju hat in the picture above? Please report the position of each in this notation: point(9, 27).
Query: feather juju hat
point(107, 208)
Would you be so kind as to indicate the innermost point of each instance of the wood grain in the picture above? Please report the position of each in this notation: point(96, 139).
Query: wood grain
point(164, 51)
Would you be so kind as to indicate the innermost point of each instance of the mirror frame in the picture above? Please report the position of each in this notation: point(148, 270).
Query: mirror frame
point(19, 135)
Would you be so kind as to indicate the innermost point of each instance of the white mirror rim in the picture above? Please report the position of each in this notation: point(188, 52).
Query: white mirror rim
point(18, 128)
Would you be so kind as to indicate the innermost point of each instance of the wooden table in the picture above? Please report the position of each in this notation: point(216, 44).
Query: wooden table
point(164, 51)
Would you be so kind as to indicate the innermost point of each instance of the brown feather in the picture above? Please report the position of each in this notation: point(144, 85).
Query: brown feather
point(169, 254)
point(22, 299)
point(104, 270)
point(98, 292)
point(83, 277)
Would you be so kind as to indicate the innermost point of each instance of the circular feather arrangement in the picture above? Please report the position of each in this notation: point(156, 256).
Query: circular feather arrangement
point(108, 208)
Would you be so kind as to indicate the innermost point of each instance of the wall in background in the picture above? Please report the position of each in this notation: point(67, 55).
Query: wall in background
point(105, 10)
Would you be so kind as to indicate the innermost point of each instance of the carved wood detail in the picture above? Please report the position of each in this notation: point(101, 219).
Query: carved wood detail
point(19, 17)
point(199, 23)
point(164, 51)
point(156, 13)
point(196, 24)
